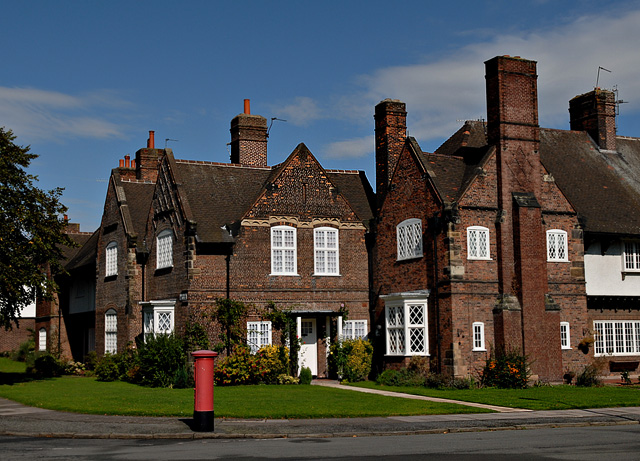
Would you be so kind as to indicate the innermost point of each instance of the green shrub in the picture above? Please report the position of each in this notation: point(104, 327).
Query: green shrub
point(25, 349)
point(305, 375)
point(183, 378)
point(351, 359)
point(506, 370)
point(47, 366)
point(91, 360)
point(271, 362)
point(107, 368)
point(159, 359)
point(590, 374)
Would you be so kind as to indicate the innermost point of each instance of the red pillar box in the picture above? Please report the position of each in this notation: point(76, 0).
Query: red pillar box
point(203, 392)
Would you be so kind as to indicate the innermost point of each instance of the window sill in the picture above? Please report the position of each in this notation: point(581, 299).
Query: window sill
point(479, 259)
point(408, 355)
point(478, 350)
point(327, 275)
point(284, 275)
point(565, 348)
point(409, 258)
point(558, 260)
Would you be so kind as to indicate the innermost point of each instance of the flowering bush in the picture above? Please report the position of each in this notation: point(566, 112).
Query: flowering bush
point(506, 370)
point(272, 361)
point(239, 368)
point(351, 359)
point(268, 366)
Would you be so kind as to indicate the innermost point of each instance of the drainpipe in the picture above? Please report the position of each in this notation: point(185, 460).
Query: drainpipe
point(435, 229)
point(228, 260)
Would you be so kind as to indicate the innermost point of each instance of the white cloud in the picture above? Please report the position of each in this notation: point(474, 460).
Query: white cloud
point(440, 93)
point(49, 115)
point(351, 148)
point(300, 112)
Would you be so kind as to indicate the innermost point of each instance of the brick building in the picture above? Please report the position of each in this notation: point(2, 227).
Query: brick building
point(63, 325)
point(176, 235)
point(497, 238)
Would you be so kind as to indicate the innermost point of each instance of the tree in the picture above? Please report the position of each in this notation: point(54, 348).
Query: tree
point(32, 233)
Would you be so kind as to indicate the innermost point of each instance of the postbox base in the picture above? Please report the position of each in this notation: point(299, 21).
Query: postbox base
point(203, 421)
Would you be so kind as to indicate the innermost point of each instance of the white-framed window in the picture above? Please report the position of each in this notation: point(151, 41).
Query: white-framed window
point(42, 339)
point(326, 251)
point(354, 329)
point(617, 337)
point(158, 317)
point(406, 325)
point(409, 239)
point(631, 256)
point(258, 335)
point(111, 332)
point(111, 259)
point(284, 258)
point(565, 335)
point(478, 336)
point(557, 248)
point(478, 243)
point(164, 249)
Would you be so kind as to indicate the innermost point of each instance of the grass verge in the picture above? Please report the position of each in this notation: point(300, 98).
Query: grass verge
point(533, 398)
point(86, 395)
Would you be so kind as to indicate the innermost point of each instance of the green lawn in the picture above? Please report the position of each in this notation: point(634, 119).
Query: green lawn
point(11, 366)
point(86, 395)
point(534, 398)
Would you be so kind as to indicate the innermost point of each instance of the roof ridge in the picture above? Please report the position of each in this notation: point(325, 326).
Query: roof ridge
point(136, 181)
point(342, 171)
point(228, 165)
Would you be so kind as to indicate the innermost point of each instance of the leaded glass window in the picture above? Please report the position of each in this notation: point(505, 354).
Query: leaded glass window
point(557, 245)
point(477, 243)
point(164, 250)
point(409, 239)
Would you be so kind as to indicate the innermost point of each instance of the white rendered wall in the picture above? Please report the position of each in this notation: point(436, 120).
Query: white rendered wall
point(604, 274)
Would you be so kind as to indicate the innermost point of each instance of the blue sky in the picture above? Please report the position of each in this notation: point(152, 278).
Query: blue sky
point(83, 82)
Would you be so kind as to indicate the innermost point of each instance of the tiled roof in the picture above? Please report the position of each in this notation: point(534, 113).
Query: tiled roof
point(138, 195)
point(603, 186)
point(85, 254)
point(355, 187)
point(598, 184)
point(220, 194)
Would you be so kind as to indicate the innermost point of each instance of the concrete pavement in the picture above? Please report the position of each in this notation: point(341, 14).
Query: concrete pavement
point(20, 420)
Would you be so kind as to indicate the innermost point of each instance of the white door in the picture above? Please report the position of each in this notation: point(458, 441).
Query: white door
point(309, 347)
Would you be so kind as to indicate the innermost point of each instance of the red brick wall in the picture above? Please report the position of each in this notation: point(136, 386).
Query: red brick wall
point(10, 340)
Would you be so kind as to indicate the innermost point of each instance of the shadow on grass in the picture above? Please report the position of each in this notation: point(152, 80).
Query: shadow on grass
point(14, 378)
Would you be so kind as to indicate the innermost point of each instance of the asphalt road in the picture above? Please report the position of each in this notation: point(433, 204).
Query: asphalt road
point(621, 442)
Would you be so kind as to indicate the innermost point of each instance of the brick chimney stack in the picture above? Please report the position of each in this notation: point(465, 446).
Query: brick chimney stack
point(249, 138)
point(391, 134)
point(147, 160)
point(595, 113)
point(525, 315)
